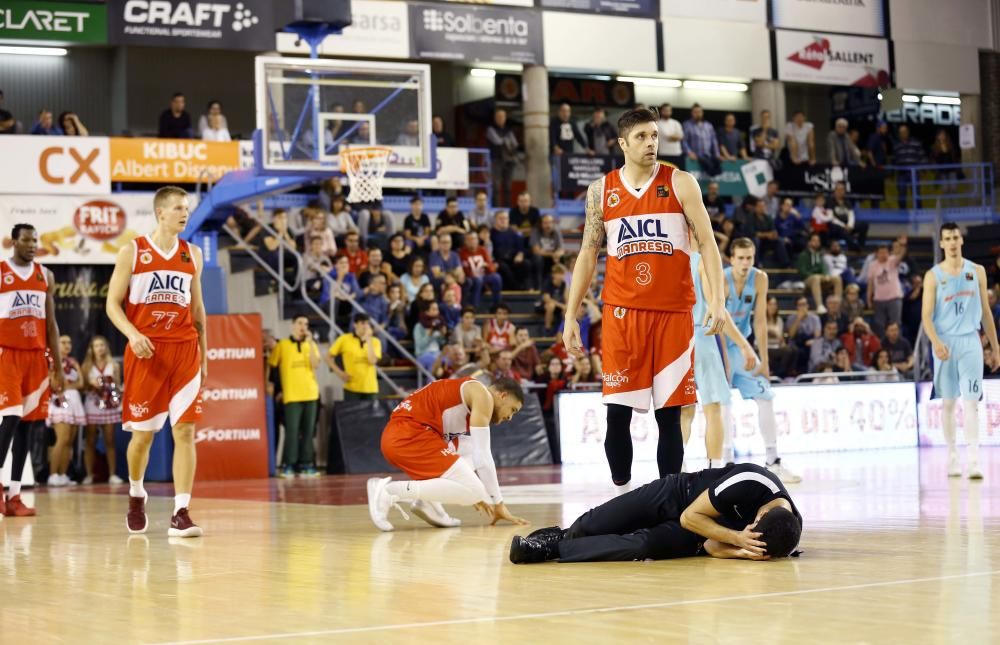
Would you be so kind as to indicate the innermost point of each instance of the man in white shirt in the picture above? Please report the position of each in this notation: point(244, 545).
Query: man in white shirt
point(670, 136)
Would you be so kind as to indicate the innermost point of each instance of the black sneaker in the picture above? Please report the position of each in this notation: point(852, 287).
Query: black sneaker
point(547, 531)
point(532, 550)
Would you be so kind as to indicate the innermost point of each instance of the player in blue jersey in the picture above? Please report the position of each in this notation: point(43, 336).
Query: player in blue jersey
point(955, 305)
point(710, 375)
point(746, 302)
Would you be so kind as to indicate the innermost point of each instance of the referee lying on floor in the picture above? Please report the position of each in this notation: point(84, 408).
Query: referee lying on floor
point(739, 511)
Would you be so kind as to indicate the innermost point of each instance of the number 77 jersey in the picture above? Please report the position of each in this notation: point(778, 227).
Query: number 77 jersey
point(158, 301)
point(649, 245)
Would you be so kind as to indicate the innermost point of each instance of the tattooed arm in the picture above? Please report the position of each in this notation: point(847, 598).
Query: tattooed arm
point(586, 263)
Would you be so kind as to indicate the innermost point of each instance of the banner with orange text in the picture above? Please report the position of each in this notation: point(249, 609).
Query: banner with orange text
point(180, 161)
point(231, 437)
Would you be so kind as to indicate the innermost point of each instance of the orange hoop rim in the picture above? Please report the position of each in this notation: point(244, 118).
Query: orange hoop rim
point(368, 152)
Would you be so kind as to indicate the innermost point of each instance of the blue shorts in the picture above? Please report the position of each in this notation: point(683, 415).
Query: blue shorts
point(709, 370)
point(751, 386)
point(962, 373)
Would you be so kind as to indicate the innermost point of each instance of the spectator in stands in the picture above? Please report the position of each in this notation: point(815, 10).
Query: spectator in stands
point(503, 366)
point(771, 141)
point(564, 132)
point(484, 238)
point(46, 125)
point(450, 285)
point(415, 278)
point(732, 141)
point(989, 360)
point(71, 125)
point(879, 145)
point(825, 368)
point(900, 350)
point(373, 300)
point(281, 244)
point(480, 214)
point(800, 136)
point(397, 312)
point(907, 152)
point(761, 229)
point(215, 130)
point(772, 199)
point(912, 308)
point(861, 344)
point(451, 358)
point(328, 190)
point(467, 333)
point(429, 334)
point(842, 364)
point(417, 227)
point(546, 245)
point(175, 122)
point(525, 355)
point(344, 287)
point(555, 382)
point(715, 204)
point(410, 135)
point(554, 297)
point(883, 370)
point(824, 348)
point(761, 150)
point(743, 216)
point(836, 263)
point(339, 219)
point(425, 295)
point(8, 124)
point(821, 217)
point(375, 226)
point(813, 271)
point(317, 265)
point(503, 146)
point(524, 217)
point(359, 352)
point(802, 327)
point(835, 312)
point(499, 332)
point(214, 108)
point(842, 151)
point(790, 227)
point(451, 308)
point(244, 225)
point(398, 258)
point(317, 228)
point(943, 153)
point(885, 292)
point(671, 134)
point(297, 358)
point(853, 306)
point(357, 257)
point(700, 143)
point(993, 300)
point(452, 221)
point(444, 140)
point(480, 271)
point(843, 225)
point(516, 267)
point(444, 261)
point(583, 371)
point(602, 137)
point(783, 356)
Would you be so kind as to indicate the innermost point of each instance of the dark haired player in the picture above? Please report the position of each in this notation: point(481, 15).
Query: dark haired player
point(740, 511)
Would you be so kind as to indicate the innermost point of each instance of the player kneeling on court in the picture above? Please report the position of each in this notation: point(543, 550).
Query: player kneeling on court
point(740, 511)
point(421, 440)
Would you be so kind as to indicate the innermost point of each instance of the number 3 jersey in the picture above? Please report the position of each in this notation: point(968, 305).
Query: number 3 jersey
point(648, 264)
point(158, 301)
point(22, 306)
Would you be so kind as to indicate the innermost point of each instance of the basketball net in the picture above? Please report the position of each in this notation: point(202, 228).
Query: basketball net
point(365, 169)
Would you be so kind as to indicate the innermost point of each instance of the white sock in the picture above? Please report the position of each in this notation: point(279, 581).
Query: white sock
point(135, 488)
point(948, 422)
point(15, 490)
point(433, 490)
point(182, 501)
point(716, 463)
point(727, 434)
point(972, 428)
point(768, 428)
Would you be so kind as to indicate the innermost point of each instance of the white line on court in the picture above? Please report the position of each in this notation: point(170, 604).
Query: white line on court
point(576, 612)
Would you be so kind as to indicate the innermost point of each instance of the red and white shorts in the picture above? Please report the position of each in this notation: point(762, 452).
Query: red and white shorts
point(648, 356)
point(417, 450)
point(166, 385)
point(24, 383)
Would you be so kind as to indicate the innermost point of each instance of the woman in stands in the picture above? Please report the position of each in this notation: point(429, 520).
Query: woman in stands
point(65, 416)
point(102, 405)
point(72, 126)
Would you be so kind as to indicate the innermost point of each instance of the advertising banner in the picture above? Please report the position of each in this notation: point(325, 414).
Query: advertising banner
point(730, 180)
point(219, 24)
point(509, 3)
point(804, 180)
point(809, 57)
point(54, 165)
point(231, 437)
point(738, 10)
point(378, 30)
point(577, 172)
point(810, 418)
point(866, 18)
point(452, 173)
point(184, 161)
point(475, 33)
point(930, 414)
point(636, 8)
point(57, 21)
point(81, 230)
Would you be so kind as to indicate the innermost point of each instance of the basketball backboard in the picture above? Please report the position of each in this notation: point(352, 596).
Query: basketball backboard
point(351, 103)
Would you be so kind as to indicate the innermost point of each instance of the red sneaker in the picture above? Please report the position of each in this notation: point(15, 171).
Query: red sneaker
point(136, 520)
point(16, 508)
point(182, 526)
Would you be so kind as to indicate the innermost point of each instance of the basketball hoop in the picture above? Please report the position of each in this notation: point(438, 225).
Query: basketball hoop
point(365, 169)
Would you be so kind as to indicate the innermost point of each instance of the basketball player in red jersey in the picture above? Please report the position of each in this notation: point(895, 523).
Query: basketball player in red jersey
point(27, 328)
point(420, 440)
point(158, 280)
point(652, 215)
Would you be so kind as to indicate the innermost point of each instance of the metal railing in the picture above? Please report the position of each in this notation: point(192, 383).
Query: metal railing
point(850, 377)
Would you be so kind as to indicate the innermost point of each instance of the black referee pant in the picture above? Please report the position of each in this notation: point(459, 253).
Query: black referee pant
point(643, 524)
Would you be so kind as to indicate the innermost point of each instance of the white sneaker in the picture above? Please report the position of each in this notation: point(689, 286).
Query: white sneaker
point(55, 480)
point(379, 503)
point(954, 467)
point(434, 514)
point(115, 480)
point(69, 482)
point(974, 472)
point(783, 473)
point(88, 480)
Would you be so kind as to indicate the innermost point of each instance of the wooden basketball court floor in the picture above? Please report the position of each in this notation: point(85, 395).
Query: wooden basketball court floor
point(893, 552)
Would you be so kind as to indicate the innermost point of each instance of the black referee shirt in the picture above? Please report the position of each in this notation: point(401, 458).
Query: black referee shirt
point(737, 492)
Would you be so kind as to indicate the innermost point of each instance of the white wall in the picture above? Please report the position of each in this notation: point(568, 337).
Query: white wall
point(599, 43)
point(742, 10)
point(957, 22)
point(680, 97)
point(694, 47)
point(929, 66)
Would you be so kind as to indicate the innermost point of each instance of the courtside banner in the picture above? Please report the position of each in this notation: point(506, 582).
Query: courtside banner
point(80, 230)
point(183, 161)
point(231, 437)
point(811, 57)
point(930, 414)
point(54, 165)
point(810, 418)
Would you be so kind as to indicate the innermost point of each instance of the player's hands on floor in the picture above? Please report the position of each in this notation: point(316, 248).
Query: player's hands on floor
point(747, 555)
point(941, 351)
point(500, 512)
point(141, 346)
point(486, 510)
point(749, 541)
point(571, 337)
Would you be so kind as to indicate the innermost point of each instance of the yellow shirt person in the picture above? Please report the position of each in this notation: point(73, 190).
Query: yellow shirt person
point(360, 352)
point(297, 358)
